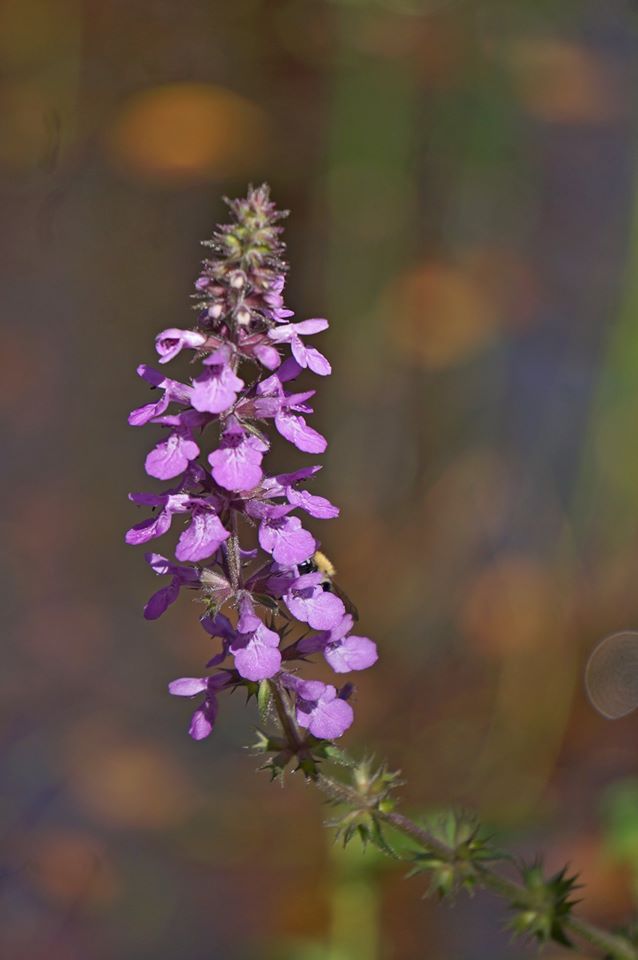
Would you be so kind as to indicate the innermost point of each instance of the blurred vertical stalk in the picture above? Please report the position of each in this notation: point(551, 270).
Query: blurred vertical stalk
point(369, 180)
point(607, 504)
point(369, 191)
point(354, 905)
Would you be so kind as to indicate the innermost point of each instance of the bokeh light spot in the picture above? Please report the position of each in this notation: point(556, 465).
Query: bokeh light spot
point(67, 865)
point(27, 126)
point(611, 675)
point(131, 784)
point(438, 316)
point(562, 82)
point(185, 132)
point(511, 606)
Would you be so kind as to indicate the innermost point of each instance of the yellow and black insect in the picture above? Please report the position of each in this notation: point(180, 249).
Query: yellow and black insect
point(319, 563)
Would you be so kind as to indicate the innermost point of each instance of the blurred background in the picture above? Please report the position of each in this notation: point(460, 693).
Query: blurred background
point(462, 178)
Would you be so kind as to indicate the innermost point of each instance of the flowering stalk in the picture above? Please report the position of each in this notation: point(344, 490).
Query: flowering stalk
point(454, 853)
point(268, 606)
point(457, 856)
point(266, 594)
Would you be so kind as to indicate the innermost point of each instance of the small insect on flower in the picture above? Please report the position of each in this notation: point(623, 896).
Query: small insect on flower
point(611, 675)
point(320, 563)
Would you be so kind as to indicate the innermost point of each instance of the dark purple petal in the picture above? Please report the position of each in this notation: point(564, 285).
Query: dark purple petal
point(219, 657)
point(289, 370)
point(161, 600)
point(313, 642)
point(167, 595)
point(262, 510)
point(218, 626)
point(287, 479)
point(203, 719)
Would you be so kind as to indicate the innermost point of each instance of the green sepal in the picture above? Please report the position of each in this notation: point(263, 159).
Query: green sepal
point(252, 689)
point(266, 743)
point(365, 825)
point(269, 602)
point(327, 750)
point(446, 877)
point(255, 431)
point(264, 699)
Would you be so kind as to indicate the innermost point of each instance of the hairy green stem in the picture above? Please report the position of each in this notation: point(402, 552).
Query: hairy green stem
point(605, 942)
point(233, 554)
point(285, 716)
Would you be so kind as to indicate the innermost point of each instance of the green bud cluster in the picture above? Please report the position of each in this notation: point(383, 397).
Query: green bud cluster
point(466, 849)
point(454, 851)
point(544, 904)
point(253, 239)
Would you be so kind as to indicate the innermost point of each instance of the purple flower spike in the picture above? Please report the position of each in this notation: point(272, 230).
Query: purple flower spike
point(170, 342)
point(247, 351)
